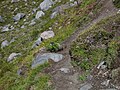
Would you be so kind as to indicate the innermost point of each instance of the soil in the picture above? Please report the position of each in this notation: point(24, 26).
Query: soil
point(69, 81)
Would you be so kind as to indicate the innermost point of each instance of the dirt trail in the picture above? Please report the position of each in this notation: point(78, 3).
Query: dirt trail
point(69, 81)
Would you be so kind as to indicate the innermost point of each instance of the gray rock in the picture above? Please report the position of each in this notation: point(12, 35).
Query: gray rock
point(41, 59)
point(14, 1)
point(1, 19)
point(54, 14)
point(46, 4)
point(105, 83)
point(37, 42)
point(18, 16)
point(5, 28)
point(32, 23)
point(4, 44)
point(13, 56)
point(86, 87)
point(39, 14)
point(47, 34)
point(65, 70)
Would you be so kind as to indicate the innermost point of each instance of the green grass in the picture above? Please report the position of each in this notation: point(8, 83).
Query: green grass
point(117, 3)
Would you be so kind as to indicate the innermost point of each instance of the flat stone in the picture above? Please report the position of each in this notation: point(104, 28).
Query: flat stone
point(47, 34)
point(39, 14)
point(13, 56)
point(86, 87)
point(41, 59)
point(18, 16)
point(46, 4)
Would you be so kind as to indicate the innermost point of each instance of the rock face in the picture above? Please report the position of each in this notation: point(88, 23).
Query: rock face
point(47, 34)
point(1, 19)
point(39, 14)
point(41, 59)
point(4, 44)
point(46, 4)
point(12, 56)
point(18, 16)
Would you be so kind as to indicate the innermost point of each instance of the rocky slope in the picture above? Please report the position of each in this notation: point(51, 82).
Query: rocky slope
point(59, 44)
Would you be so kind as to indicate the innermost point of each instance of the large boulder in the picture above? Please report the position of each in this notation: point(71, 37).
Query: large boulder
point(41, 59)
point(47, 34)
point(46, 4)
point(18, 16)
point(39, 14)
point(13, 56)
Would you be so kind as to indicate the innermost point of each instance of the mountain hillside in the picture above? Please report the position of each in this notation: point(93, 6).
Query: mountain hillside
point(59, 44)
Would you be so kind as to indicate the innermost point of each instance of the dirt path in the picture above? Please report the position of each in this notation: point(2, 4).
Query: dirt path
point(69, 81)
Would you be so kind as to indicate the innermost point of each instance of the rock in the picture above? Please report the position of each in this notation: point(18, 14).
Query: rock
point(65, 70)
point(54, 14)
point(118, 12)
point(18, 16)
point(86, 87)
point(47, 34)
point(4, 44)
point(106, 83)
point(39, 14)
point(22, 26)
point(1, 19)
point(13, 56)
point(37, 42)
point(32, 23)
point(41, 59)
point(14, 1)
point(46, 4)
point(5, 28)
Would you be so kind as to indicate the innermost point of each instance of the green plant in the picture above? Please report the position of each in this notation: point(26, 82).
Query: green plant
point(53, 47)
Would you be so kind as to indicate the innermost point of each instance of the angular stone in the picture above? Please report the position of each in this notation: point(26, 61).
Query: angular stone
point(39, 14)
point(65, 70)
point(41, 59)
point(18, 16)
point(37, 42)
point(46, 4)
point(12, 56)
point(4, 44)
point(47, 34)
